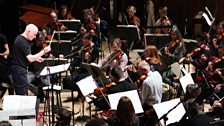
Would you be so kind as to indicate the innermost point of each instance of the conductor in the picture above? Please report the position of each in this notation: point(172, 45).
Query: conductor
point(22, 57)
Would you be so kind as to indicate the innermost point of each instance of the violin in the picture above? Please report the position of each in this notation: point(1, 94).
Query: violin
point(140, 80)
point(98, 92)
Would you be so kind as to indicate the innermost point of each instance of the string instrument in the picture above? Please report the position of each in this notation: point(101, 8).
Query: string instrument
point(219, 36)
point(140, 80)
point(114, 59)
point(86, 53)
point(100, 91)
point(163, 22)
point(169, 47)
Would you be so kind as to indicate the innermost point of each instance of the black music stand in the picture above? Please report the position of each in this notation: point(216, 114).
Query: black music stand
point(71, 24)
point(159, 40)
point(61, 43)
point(128, 32)
point(50, 70)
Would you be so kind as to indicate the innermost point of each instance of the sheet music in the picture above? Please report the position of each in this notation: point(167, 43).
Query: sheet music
point(185, 80)
point(132, 95)
point(87, 86)
point(7, 114)
point(175, 115)
point(19, 102)
point(54, 69)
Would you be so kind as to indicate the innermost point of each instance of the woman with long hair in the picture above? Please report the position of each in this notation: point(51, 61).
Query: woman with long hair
point(125, 114)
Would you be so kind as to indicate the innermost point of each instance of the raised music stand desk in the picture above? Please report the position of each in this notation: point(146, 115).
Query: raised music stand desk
point(61, 43)
point(128, 32)
point(159, 40)
point(71, 24)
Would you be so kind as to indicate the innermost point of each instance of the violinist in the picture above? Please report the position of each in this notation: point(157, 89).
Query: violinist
point(163, 20)
point(64, 13)
point(53, 25)
point(120, 85)
point(132, 19)
point(117, 58)
point(88, 25)
point(150, 91)
point(218, 38)
point(89, 53)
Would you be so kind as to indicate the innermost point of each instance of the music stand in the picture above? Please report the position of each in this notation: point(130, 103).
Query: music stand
point(128, 32)
point(159, 40)
point(50, 70)
point(61, 43)
point(72, 24)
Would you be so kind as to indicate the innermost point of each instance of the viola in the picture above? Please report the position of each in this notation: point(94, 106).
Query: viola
point(98, 92)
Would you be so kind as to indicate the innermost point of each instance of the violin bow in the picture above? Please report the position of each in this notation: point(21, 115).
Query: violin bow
point(52, 38)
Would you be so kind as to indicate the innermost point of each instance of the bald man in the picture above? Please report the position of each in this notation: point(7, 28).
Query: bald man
point(22, 57)
point(151, 89)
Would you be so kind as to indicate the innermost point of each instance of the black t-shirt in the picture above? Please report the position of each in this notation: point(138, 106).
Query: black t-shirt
point(21, 49)
point(3, 41)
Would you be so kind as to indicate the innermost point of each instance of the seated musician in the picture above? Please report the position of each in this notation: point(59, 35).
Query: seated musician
point(88, 53)
point(64, 13)
point(117, 58)
point(88, 25)
point(218, 38)
point(151, 90)
point(119, 85)
point(53, 25)
point(132, 19)
point(124, 115)
point(164, 20)
point(171, 54)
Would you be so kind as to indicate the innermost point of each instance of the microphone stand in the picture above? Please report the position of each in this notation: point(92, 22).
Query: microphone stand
point(164, 116)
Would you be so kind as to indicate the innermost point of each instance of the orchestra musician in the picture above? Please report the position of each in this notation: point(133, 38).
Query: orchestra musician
point(163, 20)
point(170, 54)
point(88, 53)
point(64, 13)
point(88, 25)
point(150, 91)
point(53, 25)
point(117, 58)
point(124, 115)
point(217, 39)
point(132, 19)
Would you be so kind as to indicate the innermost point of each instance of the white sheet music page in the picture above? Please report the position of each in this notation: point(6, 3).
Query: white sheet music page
point(185, 80)
point(87, 86)
point(54, 69)
point(132, 95)
point(175, 115)
point(19, 102)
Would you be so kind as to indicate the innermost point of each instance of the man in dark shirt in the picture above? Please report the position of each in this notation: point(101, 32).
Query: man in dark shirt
point(22, 57)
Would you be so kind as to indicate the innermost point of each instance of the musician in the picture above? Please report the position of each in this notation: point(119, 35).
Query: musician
point(53, 25)
point(64, 13)
point(117, 58)
point(151, 56)
point(164, 20)
point(22, 57)
point(132, 19)
point(218, 38)
point(150, 91)
point(171, 54)
point(124, 115)
point(89, 53)
point(119, 85)
point(88, 25)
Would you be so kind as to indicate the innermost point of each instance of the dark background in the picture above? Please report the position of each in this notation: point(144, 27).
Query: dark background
point(178, 11)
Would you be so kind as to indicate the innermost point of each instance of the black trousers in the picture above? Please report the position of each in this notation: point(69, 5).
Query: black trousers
point(19, 77)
